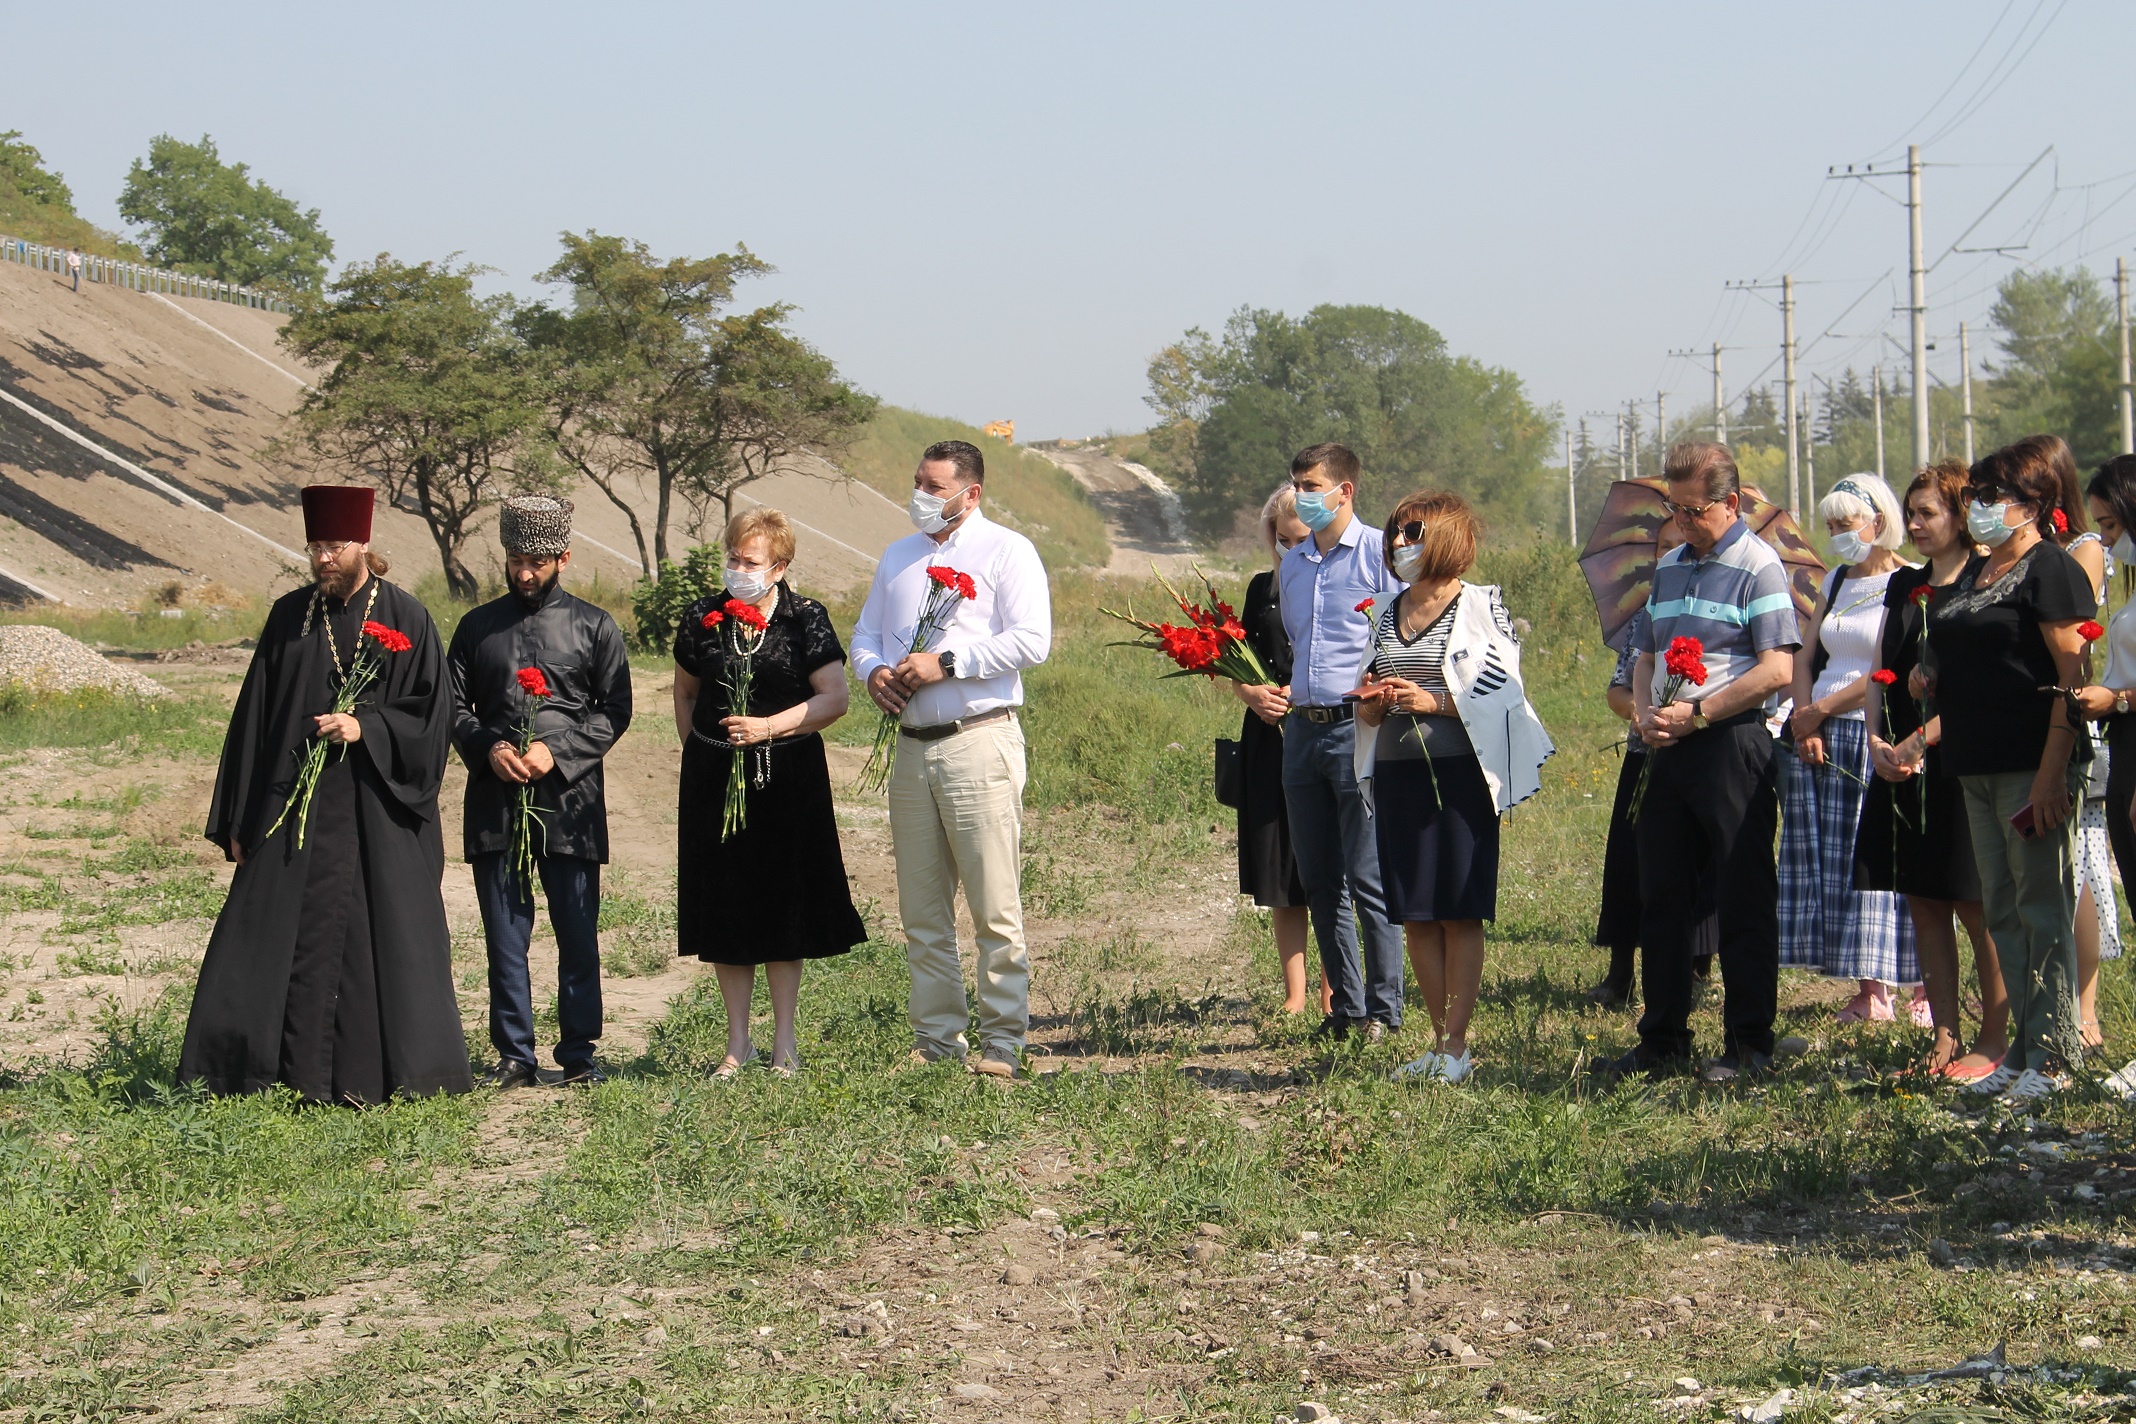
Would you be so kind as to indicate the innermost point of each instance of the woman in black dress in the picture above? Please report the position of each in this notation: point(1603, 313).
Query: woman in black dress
point(1267, 869)
point(774, 893)
point(1915, 837)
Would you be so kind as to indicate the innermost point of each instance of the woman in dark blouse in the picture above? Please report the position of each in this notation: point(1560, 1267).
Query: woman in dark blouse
point(1267, 869)
point(774, 893)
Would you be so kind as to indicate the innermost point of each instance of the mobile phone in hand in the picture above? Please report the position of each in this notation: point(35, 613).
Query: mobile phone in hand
point(2024, 823)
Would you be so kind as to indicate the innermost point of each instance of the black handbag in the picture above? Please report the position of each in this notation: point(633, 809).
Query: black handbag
point(1230, 773)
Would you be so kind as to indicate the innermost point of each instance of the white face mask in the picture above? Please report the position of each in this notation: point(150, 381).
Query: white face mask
point(1407, 560)
point(748, 585)
point(926, 511)
point(2124, 549)
point(1849, 547)
point(1985, 523)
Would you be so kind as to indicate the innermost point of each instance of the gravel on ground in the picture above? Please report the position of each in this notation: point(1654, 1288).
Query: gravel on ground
point(47, 660)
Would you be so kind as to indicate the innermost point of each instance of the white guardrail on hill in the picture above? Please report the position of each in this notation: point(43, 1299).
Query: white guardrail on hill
point(136, 277)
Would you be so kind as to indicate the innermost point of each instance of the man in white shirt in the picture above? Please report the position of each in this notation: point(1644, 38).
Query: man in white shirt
point(956, 786)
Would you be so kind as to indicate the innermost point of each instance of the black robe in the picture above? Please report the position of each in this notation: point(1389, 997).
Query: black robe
point(330, 966)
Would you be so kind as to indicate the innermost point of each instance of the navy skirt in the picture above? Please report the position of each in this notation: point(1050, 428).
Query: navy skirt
point(1435, 823)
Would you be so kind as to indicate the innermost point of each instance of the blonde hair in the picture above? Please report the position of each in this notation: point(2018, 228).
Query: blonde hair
point(1283, 501)
point(1864, 496)
point(774, 528)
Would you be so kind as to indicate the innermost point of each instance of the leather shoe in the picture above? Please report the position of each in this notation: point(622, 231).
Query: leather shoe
point(1641, 1061)
point(512, 1073)
point(1336, 1027)
point(582, 1075)
point(1610, 994)
point(1731, 1067)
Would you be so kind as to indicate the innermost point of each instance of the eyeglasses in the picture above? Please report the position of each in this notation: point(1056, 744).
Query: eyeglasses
point(330, 549)
point(1687, 511)
point(1410, 533)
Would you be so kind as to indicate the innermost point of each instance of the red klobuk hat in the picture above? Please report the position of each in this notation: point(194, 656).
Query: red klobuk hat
point(337, 513)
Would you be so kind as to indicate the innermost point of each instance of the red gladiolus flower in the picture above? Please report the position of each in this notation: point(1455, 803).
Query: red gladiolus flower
point(747, 613)
point(2061, 522)
point(532, 681)
point(712, 619)
point(2090, 632)
point(1232, 628)
point(1883, 677)
point(393, 640)
point(1365, 607)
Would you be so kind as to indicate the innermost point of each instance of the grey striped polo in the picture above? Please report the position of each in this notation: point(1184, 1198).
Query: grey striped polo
point(1735, 601)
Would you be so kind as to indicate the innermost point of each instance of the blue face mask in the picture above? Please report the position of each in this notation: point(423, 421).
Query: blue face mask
point(1313, 511)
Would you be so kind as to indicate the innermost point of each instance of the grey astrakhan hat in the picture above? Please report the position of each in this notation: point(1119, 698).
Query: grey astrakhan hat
point(535, 524)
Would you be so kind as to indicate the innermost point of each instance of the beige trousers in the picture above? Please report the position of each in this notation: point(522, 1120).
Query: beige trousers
point(956, 817)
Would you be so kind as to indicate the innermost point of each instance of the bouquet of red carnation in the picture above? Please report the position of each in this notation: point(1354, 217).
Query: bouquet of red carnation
point(1212, 644)
point(744, 637)
point(527, 817)
point(946, 588)
point(372, 644)
point(1684, 664)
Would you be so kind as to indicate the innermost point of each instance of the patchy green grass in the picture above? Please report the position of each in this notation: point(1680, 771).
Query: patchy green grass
point(120, 725)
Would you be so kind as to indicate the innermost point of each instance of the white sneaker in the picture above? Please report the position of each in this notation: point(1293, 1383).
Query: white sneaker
point(1996, 1082)
point(2031, 1086)
point(1455, 1070)
point(1425, 1067)
point(2122, 1084)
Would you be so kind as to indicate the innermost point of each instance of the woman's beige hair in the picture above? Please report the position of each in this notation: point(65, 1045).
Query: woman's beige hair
point(775, 528)
point(1283, 501)
point(1451, 533)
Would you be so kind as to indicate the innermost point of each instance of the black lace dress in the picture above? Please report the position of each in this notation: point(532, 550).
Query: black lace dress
point(777, 889)
point(1268, 871)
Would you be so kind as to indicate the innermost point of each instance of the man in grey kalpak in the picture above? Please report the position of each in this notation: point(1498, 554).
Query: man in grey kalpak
point(579, 653)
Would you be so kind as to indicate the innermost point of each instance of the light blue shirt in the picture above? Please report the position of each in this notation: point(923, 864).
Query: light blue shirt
point(1330, 640)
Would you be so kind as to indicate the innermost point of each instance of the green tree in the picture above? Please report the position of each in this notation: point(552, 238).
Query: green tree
point(22, 169)
point(429, 393)
point(211, 218)
point(1380, 381)
point(2060, 364)
point(656, 394)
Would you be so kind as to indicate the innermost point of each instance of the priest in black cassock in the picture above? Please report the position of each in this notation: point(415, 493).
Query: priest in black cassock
point(330, 966)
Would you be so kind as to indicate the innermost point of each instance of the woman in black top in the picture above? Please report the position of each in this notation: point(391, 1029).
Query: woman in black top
point(774, 893)
point(2006, 636)
point(1914, 837)
point(1267, 869)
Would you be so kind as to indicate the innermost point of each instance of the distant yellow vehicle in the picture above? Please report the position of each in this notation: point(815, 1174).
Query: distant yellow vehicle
point(1003, 430)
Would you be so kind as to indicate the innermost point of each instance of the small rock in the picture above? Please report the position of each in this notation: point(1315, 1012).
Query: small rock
point(1769, 1412)
point(1676, 1300)
point(1211, 1230)
point(2084, 1191)
point(1792, 1046)
point(656, 1336)
point(2089, 1342)
point(1595, 1337)
point(1702, 1299)
point(1308, 1237)
point(1044, 1215)
point(1201, 1253)
point(1687, 1385)
point(1940, 1252)
point(1452, 1345)
point(1017, 1274)
point(1413, 1284)
point(1541, 1346)
point(976, 1391)
point(1313, 1412)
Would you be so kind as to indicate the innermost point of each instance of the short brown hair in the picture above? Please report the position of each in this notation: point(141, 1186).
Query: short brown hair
point(1451, 533)
point(2028, 470)
point(1946, 479)
point(971, 465)
point(1708, 460)
point(775, 528)
point(1342, 463)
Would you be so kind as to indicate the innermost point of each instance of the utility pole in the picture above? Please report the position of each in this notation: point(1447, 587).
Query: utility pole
point(1876, 386)
point(1620, 445)
point(1787, 350)
point(1720, 400)
point(1631, 435)
point(1965, 385)
point(1572, 503)
point(2128, 394)
point(1661, 432)
point(1918, 268)
point(1809, 457)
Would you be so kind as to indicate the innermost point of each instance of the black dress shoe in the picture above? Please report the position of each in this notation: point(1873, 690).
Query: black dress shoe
point(1336, 1027)
point(512, 1074)
point(581, 1075)
point(1641, 1061)
point(1611, 994)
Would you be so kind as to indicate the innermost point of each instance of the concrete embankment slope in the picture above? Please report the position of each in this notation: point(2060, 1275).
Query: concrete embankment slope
point(134, 434)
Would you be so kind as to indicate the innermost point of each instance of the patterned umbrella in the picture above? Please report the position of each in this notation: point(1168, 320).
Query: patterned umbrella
point(1619, 557)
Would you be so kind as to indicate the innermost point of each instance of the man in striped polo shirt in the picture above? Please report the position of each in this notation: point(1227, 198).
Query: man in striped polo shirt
point(1707, 824)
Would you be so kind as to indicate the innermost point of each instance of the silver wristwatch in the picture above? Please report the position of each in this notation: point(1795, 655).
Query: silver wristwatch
point(2121, 702)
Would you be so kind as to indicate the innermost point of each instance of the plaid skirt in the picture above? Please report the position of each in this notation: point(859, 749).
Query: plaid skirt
point(1825, 923)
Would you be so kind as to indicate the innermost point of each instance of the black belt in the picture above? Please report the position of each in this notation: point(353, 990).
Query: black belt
point(949, 729)
point(1740, 719)
point(1325, 715)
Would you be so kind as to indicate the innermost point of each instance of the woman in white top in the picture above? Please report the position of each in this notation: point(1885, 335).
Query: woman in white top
point(2111, 498)
point(1826, 924)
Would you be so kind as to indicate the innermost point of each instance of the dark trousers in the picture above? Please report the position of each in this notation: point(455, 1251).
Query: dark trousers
point(1706, 837)
point(1338, 863)
point(573, 889)
point(2120, 786)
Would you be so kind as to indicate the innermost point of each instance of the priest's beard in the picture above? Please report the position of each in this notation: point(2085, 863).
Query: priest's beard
point(532, 592)
point(341, 583)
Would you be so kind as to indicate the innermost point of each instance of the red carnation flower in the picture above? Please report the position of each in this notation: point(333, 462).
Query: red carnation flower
point(747, 613)
point(1923, 594)
point(1365, 607)
point(393, 640)
point(532, 681)
point(2061, 522)
point(1883, 677)
point(966, 588)
point(943, 575)
point(1686, 658)
point(2090, 631)
point(712, 619)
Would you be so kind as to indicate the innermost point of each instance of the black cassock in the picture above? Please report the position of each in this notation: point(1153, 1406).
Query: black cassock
point(330, 966)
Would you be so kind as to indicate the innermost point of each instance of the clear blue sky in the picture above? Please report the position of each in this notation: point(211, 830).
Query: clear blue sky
point(1000, 211)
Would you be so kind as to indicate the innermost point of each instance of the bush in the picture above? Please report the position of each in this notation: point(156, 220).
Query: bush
point(657, 604)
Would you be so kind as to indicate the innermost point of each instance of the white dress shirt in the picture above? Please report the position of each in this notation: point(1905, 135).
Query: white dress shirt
point(1007, 628)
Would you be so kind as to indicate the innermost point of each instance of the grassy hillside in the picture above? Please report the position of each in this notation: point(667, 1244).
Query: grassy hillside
point(1024, 491)
point(56, 227)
